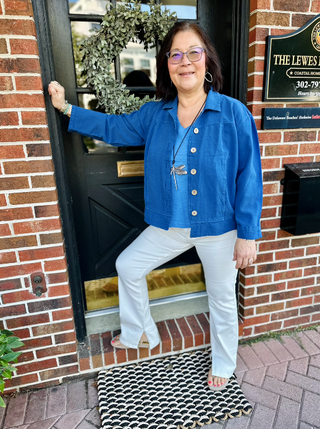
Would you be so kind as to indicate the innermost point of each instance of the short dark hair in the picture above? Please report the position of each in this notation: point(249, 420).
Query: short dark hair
point(165, 89)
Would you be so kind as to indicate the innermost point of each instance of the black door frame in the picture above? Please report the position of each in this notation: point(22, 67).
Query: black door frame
point(238, 74)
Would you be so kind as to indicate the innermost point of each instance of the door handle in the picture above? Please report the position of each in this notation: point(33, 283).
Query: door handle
point(130, 168)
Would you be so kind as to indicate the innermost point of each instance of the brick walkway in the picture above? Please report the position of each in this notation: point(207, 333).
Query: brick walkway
point(281, 378)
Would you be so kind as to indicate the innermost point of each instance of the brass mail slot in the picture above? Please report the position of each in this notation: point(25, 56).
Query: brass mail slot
point(130, 168)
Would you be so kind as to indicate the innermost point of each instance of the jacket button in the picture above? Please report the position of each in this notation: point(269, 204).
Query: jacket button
point(194, 213)
point(193, 150)
point(196, 130)
point(194, 192)
point(193, 171)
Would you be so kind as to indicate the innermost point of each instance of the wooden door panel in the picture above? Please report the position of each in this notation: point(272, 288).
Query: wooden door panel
point(117, 218)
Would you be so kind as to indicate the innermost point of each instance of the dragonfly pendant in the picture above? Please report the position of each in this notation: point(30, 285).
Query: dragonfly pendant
point(179, 171)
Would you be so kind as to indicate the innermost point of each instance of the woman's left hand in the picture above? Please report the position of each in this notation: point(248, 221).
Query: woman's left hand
point(244, 253)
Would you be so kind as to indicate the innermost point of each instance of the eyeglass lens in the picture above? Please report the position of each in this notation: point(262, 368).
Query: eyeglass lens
point(193, 55)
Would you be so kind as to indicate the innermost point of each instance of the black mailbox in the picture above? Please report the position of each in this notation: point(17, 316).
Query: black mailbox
point(301, 198)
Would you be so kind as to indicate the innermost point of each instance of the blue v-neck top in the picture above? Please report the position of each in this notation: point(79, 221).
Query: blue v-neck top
point(180, 218)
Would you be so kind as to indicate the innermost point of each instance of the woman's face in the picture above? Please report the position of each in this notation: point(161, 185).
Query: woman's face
point(187, 76)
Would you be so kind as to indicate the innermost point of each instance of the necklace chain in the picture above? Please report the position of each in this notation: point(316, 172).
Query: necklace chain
point(180, 169)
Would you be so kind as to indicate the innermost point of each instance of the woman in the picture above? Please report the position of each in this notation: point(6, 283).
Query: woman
point(203, 188)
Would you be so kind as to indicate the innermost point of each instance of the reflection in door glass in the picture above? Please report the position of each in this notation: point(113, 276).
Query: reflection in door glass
point(182, 280)
point(185, 9)
point(134, 58)
point(80, 32)
point(89, 101)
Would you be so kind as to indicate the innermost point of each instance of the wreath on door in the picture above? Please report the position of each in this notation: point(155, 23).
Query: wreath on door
point(121, 24)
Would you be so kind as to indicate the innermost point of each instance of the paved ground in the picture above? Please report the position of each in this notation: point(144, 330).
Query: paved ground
point(281, 378)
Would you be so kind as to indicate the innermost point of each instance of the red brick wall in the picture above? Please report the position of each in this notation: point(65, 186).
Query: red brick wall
point(282, 290)
point(30, 229)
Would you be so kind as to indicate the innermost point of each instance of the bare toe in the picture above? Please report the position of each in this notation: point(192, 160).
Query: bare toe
point(219, 381)
point(116, 341)
point(210, 378)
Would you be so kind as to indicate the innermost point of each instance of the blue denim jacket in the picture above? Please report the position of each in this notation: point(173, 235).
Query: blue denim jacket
point(223, 158)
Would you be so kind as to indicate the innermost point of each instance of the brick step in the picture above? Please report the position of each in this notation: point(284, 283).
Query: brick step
point(176, 335)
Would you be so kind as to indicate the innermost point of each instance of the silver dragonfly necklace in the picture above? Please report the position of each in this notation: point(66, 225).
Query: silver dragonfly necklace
point(179, 170)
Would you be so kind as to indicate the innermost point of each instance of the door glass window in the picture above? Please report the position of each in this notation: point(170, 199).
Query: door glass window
point(89, 7)
point(89, 101)
point(185, 9)
point(138, 67)
point(80, 31)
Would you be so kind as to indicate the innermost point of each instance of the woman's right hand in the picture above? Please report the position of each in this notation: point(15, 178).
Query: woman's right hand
point(57, 93)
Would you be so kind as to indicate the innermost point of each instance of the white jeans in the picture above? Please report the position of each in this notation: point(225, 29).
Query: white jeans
point(153, 248)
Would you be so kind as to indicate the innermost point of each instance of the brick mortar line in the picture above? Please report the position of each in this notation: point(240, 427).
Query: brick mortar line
point(13, 56)
point(58, 258)
point(102, 352)
point(203, 333)
point(20, 92)
point(32, 219)
point(276, 194)
point(256, 74)
point(18, 206)
point(33, 337)
point(286, 12)
point(46, 358)
point(34, 233)
point(253, 88)
point(33, 158)
point(257, 42)
point(28, 313)
point(295, 258)
point(14, 76)
point(150, 358)
point(182, 336)
point(259, 10)
point(271, 321)
point(23, 126)
point(28, 190)
point(18, 37)
point(31, 174)
point(90, 355)
point(16, 17)
point(169, 334)
point(193, 336)
point(279, 301)
point(53, 258)
point(26, 160)
point(45, 297)
point(276, 27)
point(35, 174)
point(32, 205)
point(277, 281)
point(256, 57)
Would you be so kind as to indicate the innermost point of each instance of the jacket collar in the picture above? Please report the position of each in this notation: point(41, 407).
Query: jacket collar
point(213, 103)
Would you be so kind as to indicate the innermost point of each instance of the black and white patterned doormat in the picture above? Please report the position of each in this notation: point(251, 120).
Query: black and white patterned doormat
point(167, 393)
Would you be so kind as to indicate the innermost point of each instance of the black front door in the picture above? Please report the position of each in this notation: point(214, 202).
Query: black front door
point(106, 183)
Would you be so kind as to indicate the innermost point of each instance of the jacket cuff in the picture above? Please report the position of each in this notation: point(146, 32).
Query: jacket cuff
point(249, 233)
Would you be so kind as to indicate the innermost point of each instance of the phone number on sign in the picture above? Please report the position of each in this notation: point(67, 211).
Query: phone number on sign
point(307, 84)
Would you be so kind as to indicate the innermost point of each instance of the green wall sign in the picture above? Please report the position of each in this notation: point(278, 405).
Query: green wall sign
point(293, 65)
